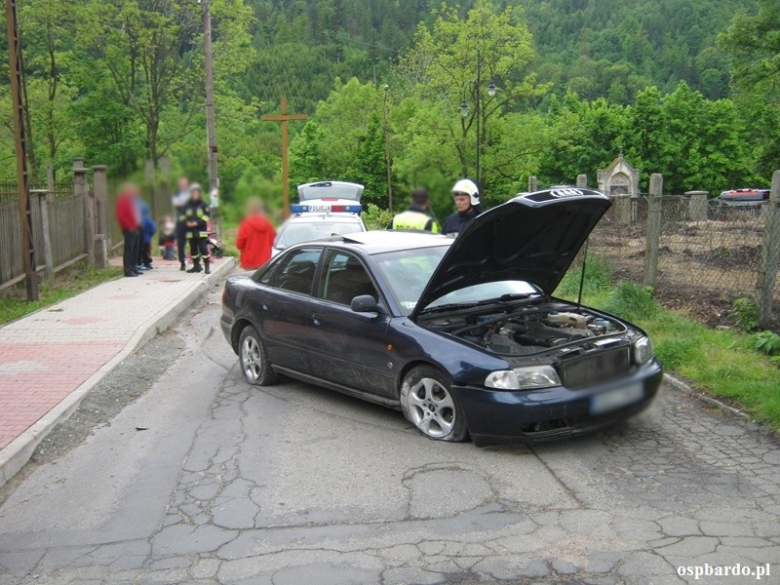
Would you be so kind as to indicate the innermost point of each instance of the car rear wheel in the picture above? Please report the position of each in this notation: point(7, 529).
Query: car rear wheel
point(254, 360)
point(429, 405)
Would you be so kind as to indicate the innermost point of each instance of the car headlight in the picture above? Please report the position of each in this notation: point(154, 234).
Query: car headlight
point(523, 378)
point(643, 350)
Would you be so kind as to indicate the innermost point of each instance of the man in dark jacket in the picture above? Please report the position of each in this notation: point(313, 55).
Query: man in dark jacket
point(195, 219)
point(129, 218)
point(466, 194)
point(179, 200)
point(417, 217)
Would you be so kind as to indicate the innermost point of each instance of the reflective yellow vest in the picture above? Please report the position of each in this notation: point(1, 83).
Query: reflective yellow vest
point(415, 220)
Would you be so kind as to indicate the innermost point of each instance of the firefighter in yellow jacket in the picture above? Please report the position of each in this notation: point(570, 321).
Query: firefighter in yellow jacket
point(195, 217)
point(418, 216)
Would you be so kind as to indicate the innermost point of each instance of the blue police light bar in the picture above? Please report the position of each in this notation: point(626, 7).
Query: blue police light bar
point(324, 207)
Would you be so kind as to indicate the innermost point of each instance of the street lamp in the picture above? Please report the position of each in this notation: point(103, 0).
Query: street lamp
point(475, 87)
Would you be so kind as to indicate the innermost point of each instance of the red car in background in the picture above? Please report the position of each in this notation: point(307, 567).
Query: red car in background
point(748, 197)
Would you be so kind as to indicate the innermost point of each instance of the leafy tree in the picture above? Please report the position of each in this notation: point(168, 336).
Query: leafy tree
point(753, 42)
point(444, 65)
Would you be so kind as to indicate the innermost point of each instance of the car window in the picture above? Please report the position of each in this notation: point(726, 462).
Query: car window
point(298, 232)
point(335, 189)
point(408, 271)
point(296, 272)
point(345, 278)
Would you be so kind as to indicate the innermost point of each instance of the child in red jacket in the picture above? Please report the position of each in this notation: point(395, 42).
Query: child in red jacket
point(255, 236)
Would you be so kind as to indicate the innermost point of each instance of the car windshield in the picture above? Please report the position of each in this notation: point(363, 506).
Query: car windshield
point(408, 272)
point(295, 233)
point(335, 189)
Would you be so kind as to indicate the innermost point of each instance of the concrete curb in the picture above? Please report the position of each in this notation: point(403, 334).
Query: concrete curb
point(17, 453)
point(680, 385)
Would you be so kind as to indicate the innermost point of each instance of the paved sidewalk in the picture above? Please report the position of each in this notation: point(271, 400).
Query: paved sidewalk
point(50, 359)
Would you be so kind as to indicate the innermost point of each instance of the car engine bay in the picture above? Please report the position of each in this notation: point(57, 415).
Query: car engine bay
point(527, 330)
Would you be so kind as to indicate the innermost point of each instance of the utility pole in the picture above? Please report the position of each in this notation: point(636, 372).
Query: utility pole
point(284, 117)
point(388, 160)
point(211, 130)
point(25, 213)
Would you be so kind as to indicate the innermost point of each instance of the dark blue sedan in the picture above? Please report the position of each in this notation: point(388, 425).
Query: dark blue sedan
point(463, 336)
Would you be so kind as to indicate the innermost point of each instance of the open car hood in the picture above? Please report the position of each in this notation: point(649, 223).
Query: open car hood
point(533, 237)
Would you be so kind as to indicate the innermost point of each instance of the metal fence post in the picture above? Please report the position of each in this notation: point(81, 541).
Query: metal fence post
point(103, 238)
point(697, 205)
point(80, 190)
point(532, 184)
point(653, 229)
point(770, 251)
point(582, 181)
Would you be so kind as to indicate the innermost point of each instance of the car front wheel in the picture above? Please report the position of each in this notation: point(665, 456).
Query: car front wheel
point(254, 360)
point(429, 405)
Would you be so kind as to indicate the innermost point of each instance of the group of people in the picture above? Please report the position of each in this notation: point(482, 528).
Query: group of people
point(418, 216)
point(138, 229)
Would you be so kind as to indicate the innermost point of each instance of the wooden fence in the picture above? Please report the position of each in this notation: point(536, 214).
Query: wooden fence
point(72, 221)
point(66, 210)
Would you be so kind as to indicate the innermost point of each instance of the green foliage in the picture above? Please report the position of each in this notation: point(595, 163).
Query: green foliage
point(376, 218)
point(767, 342)
point(598, 278)
point(745, 313)
point(632, 301)
point(753, 43)
point(117, 82)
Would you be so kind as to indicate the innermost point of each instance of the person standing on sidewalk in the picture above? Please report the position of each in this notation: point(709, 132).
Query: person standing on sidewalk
point(179, 200)
point(148, 229)
point(129, 219)
point(255, 236)
point(196, 218)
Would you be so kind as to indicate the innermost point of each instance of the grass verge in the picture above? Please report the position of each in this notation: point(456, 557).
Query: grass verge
point(66, 284)
point(722, 363)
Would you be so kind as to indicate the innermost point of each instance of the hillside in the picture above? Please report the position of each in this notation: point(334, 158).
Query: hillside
point(598, 48)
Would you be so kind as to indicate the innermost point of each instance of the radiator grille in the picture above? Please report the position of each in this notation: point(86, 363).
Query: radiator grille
point(592, 369)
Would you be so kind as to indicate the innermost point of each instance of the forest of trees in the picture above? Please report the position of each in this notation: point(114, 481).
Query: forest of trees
point(682, 87)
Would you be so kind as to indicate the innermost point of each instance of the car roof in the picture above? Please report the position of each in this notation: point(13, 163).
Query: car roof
point(381, 241)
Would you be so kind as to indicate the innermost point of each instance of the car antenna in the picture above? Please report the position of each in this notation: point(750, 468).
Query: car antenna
point(582, 275)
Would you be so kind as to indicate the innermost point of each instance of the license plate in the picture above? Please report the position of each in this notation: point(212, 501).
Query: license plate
point(614, 399)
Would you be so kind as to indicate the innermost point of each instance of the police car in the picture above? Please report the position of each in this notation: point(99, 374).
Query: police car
point(324, 208)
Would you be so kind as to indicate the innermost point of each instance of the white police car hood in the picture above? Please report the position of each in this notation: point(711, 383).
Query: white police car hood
point(533, 237)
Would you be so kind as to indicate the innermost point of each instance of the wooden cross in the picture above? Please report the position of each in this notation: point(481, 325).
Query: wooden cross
point(284, 117)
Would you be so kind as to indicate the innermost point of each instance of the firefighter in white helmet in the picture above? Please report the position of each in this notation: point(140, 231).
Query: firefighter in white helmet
point(467, 205)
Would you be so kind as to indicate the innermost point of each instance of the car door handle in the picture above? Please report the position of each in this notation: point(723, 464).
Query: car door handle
point(315, 320)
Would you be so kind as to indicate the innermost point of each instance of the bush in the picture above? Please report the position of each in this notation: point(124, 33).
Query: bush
point(745, 313)
point(631, 301)
point(767, 342)
point(376, 218)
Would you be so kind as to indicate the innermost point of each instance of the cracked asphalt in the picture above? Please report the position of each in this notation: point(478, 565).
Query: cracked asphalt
point(293, 484)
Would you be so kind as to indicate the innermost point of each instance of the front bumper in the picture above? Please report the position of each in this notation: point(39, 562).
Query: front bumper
point(531, 416)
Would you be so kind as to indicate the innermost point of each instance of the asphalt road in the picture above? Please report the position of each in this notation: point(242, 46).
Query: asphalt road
point(204, 479)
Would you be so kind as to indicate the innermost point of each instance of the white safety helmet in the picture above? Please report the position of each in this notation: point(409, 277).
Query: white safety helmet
point(468, 187)
point(196, 187)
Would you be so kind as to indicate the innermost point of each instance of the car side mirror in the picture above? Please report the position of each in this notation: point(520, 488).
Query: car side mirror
point(364, 304)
